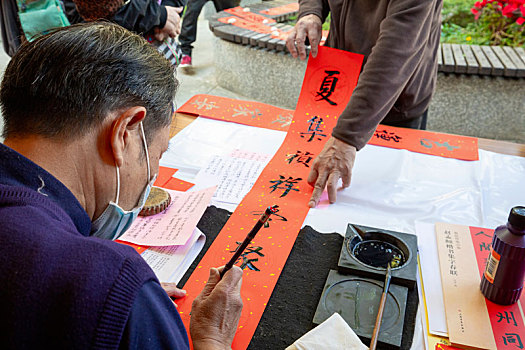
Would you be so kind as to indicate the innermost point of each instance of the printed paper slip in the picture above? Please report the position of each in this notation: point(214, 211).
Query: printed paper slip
point(175, 225)
point(468, 320)
point(235, 174)
point(170, 263)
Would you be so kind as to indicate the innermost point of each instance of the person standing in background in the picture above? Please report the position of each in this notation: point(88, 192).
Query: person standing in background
point(158, 18)
point(399, 39)
point(188, 33)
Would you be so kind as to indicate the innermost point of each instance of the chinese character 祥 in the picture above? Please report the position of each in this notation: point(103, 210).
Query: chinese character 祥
point(245, 112)
point(267, 223)
point(204, 104)
point(246, 261)
point(328, 86)
point(283, 120)
point(508, 317)
point(387, 136)
point(300, 157)
point(285, 184)
point(313, 129)
point(512, 338)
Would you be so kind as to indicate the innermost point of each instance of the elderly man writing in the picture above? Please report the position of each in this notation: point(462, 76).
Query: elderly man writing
point(87, 111)
point(399, 39)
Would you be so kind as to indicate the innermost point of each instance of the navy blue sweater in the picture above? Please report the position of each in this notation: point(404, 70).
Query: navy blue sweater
point(61, 288)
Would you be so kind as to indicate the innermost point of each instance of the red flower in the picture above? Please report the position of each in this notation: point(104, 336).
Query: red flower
point(508, 11)
point(520, 20)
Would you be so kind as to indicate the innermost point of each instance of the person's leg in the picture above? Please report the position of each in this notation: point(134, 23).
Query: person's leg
point(188, 33)
point(416, 123)
point(221, 5)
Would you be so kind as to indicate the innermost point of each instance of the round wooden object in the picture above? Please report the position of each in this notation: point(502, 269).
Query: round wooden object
point(158, 200)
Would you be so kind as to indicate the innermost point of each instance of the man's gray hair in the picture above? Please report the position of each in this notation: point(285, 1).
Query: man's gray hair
point(65, 83)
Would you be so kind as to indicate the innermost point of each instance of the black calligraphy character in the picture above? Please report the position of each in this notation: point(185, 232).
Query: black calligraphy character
point(508, 317)
point(328, 86)
point(287, 184)
point(246, 261)
point(483, 234)
point(387, 136)
point(512, 338)
point(313, 129)
point(267, 223)
point(300, 157)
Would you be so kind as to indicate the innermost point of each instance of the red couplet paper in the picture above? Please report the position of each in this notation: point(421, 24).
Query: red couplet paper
point(165, 179)
point(250, 16)
point(267, 116)
point(247, 24)
point(329, 81)
point(256, 26)
point(251, 113)
point(281, 10)
point(426, 142)
point(508, 323)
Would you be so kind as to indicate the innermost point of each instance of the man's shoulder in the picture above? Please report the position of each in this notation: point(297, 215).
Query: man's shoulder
point(27, 217)
point(23, 206)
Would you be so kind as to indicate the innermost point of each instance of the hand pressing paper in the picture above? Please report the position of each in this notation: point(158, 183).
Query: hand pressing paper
point(333, 334)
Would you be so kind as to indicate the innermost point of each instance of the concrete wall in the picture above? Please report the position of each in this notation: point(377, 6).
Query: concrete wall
point(481, 106)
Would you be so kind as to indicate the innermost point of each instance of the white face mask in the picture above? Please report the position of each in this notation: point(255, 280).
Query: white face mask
point(114, 221)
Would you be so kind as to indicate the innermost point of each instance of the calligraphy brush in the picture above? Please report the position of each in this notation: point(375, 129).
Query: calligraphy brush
point(384, 295)
point(250, 236)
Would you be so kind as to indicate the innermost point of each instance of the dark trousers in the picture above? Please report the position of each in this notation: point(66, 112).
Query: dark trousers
point(188, 33)
point(416, 123)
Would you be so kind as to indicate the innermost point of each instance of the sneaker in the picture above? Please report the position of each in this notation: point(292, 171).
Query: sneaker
point(185, 61)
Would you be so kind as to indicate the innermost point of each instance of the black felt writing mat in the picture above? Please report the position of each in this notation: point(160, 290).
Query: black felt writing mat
point(292, 306)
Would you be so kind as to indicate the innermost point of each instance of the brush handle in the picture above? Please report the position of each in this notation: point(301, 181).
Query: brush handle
point(375, 335)
point(249, 237)
point(382, 303)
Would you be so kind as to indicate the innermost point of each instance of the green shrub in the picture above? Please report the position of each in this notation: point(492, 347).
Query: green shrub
point(487, 22)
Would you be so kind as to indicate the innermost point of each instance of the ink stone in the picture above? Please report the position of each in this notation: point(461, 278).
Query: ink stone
point(357, 300)
point(366, 252)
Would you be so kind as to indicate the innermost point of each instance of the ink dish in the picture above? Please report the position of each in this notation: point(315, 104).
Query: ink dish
point(366, 252)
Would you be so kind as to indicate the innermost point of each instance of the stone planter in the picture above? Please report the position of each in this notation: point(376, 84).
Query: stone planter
point(480, 90)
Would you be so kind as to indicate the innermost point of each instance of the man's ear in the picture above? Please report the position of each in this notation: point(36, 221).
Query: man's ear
point(123, 127)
